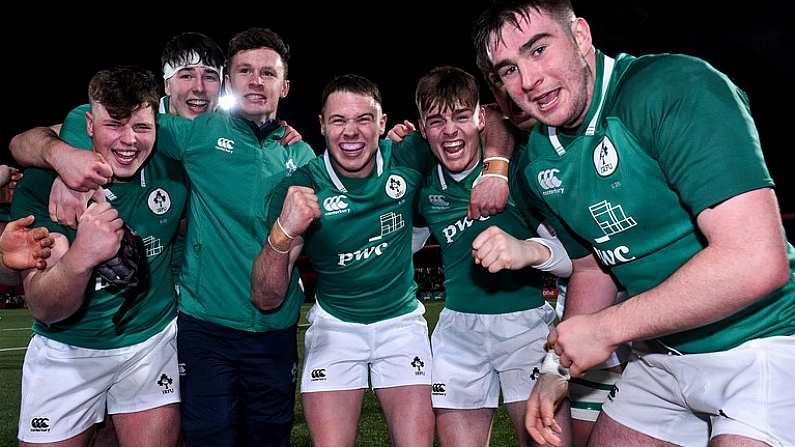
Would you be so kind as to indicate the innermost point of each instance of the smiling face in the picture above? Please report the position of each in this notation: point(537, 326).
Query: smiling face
point(125, 143)
point(257, 79)
point(352, 124)
point(546, 67)
point(453, 134)
point(193, 91)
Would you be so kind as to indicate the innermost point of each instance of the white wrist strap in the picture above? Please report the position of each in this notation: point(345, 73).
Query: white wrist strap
point(551, 365)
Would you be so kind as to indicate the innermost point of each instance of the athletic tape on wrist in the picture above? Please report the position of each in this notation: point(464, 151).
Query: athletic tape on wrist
point(552, 365)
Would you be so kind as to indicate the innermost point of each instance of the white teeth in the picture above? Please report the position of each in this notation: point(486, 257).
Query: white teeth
point(453, 144)
point(547, 100)
point(351, 146)
point(125, 155)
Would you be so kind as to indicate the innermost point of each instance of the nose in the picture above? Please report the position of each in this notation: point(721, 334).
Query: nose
point(198, 84)
point(350, 129)
point(531, 77)
point(449, 129)
point(127, 136)
point(255, 80)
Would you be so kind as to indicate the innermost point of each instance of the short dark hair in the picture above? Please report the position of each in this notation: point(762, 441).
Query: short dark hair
point(124, 89)
point(350, 83)
point(254, 38)
point(446, 87)
point(180, 48)
point(490, 21)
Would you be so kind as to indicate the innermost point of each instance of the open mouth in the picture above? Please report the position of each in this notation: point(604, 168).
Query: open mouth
point(453, 149)
point(198, 105)
point(351, 147)
point(124, 157)
point(255, 98)
point(547, 101)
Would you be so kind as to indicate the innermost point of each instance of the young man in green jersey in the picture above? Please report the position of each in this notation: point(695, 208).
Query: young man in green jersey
point(350, 211)
point(491, 333)
point(589, 392)
point(626, 156)
point(127, 365)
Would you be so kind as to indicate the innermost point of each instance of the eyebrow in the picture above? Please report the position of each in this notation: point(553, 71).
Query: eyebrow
point(368, 115)
point(527, 46)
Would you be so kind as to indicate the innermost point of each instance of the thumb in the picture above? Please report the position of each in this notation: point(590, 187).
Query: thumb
point(99, 196)
point(105, 169)
point(20, 223)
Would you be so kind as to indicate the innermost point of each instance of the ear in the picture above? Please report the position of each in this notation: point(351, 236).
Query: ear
point(285, 88)
point(227, 85)
point(582, 35)
point(481, 118)
point(382, 125)
point(421, 124)
point(167, 85)
point(322, 125)
point(90, 124)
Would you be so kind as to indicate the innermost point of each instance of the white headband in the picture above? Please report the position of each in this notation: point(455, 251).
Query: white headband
point(195, 61)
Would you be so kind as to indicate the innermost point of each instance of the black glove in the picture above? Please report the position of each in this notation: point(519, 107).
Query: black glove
point(127, 269)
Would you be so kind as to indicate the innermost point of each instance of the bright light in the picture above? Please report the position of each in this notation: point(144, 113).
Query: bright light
point(226, 101)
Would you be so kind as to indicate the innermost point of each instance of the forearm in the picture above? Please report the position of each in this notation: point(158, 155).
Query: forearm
point(497, 138)
point(270, 276)
point(589, 290)
point(57, 292)
point(37, 147)
point(696, 295)
point(7, 275)
point(744, 234)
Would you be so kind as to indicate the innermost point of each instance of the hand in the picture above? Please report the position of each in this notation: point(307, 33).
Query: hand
point(25, 248)
point(300, 208)
point(99, 233)
point(496, 250)
point(400, 131)
point(548, 392)
point(488, 197)
point(9, 176)
point(82, 170)
point(582, 342)
point(291, 136)
point(67, 205)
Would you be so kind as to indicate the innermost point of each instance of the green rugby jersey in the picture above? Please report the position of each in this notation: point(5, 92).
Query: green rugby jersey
point(361, 245)
point(232, 166)
point(644, 163)
point(443, 203)
point(151, 203)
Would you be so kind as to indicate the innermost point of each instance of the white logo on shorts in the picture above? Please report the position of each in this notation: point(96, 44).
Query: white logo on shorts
point(159, 201)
